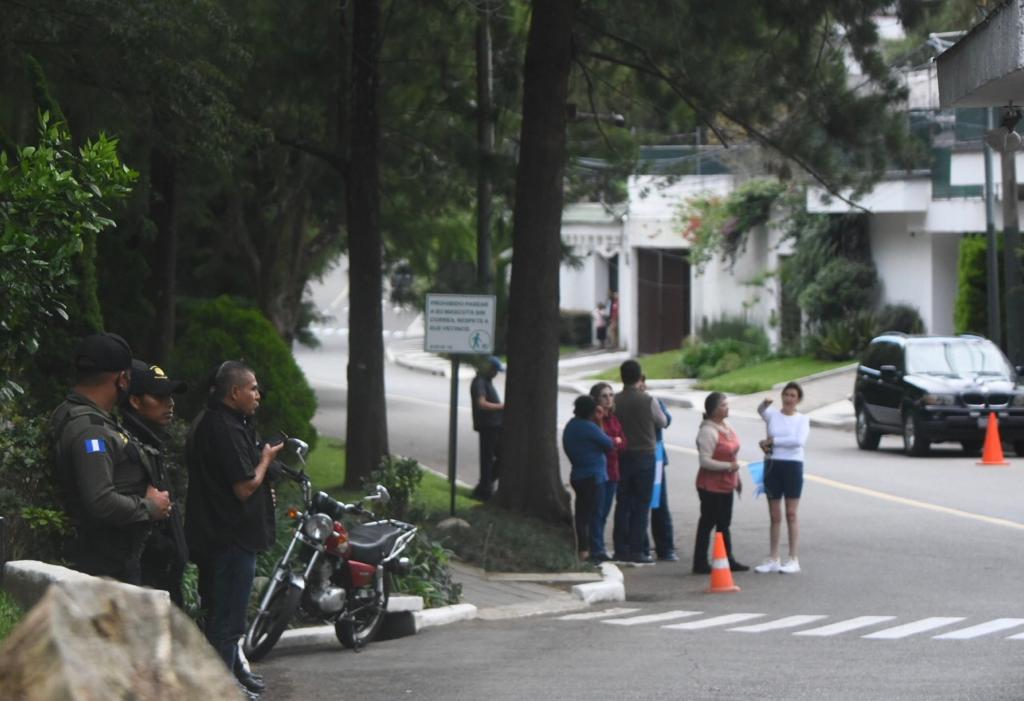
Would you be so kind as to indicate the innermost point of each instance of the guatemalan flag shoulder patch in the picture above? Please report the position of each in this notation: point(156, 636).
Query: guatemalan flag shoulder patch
point(95, 445)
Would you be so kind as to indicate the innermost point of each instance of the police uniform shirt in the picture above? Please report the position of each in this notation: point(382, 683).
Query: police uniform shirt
point(224, 450)
point(102, 485)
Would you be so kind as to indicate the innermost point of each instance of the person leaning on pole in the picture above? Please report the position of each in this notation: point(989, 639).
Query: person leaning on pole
point(109, 497)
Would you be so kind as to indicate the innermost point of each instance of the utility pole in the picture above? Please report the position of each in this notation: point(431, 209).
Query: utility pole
point(995, 332)
point(1007, 141)
point(485, 148)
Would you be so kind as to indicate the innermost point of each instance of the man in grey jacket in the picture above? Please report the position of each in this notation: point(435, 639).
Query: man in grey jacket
point(640, 416)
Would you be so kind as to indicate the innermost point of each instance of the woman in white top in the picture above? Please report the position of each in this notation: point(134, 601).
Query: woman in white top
point(784, 473)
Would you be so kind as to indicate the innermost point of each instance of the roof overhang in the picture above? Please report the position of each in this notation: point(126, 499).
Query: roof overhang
point(986, 67)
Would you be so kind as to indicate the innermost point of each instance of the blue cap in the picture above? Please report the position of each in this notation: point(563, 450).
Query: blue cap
point(496, 363)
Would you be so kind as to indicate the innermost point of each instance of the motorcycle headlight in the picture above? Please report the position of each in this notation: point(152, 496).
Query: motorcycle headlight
point(939, 399)
point(318, 527)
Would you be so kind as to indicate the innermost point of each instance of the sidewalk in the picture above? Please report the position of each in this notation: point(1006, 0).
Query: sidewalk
point(826, 395)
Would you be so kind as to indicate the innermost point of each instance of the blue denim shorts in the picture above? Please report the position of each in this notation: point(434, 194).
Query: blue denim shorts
point(783, 478)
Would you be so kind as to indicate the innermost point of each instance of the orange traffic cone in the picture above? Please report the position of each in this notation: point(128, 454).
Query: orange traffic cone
point(992, 454)
point(721, 575)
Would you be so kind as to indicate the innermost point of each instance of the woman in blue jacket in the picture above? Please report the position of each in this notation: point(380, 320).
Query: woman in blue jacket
point(587, 445)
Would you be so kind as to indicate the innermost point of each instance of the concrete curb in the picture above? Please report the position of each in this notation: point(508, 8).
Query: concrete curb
point(612, 586)
point(819, 375)
point(401, 623)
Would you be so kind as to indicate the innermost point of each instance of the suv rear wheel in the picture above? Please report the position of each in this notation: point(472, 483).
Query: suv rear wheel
point(867, 437)
point(913, 442)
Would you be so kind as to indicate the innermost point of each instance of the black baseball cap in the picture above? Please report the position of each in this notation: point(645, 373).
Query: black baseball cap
point(103, 352)
point(151, 379)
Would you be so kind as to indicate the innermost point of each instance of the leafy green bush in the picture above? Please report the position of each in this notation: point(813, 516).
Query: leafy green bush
point(899, 317)
point(220, 329)
point(844, 339)
point(723, 346)
point(401, 477)
point(28, 489)
point(970, 310)
point(54, 201)
point(841, 288)
point(429, 575)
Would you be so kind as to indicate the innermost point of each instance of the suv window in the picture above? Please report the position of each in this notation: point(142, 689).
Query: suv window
point(956, 357)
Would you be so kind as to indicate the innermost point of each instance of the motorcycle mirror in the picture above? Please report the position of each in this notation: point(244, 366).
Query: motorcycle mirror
point(383, 495)
point(300, 447)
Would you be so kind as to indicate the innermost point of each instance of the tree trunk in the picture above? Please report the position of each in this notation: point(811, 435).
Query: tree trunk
point(530, 481)
point(367, 435)
point(163, 210)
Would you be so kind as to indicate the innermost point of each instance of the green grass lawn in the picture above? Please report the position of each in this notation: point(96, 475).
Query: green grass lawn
point(326, 464)
point(763, 376)
point(657, 366)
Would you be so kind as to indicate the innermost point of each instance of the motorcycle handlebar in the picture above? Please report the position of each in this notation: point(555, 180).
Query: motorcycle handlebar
point(323, 503)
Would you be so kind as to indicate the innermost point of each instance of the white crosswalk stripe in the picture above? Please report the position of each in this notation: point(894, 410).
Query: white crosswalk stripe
point(726, 620)
point(845, 626)
point(590, 615)
point(779, 624)
point(651, 618)
point(908, 629)
point(620, 617)
point(993, 626)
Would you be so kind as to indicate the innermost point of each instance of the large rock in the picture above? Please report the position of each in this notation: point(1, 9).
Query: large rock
point(93, 640)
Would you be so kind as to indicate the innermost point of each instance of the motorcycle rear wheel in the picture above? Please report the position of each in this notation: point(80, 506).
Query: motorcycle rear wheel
point(266, 628)
point(363, 627)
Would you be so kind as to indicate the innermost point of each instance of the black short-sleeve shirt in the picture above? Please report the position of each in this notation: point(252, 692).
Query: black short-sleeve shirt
point(224, 449)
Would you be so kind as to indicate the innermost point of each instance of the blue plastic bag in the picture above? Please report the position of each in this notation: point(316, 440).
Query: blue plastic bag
point(757, 476)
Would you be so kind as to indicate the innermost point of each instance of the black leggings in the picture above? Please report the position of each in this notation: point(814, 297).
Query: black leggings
point(715, 512)
point(586, 504)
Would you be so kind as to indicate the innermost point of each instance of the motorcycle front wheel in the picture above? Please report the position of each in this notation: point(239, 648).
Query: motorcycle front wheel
point(355, 631)
point(271, 621)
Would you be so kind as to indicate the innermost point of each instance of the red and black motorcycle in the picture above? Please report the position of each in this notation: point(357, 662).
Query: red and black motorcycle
point(335, 572)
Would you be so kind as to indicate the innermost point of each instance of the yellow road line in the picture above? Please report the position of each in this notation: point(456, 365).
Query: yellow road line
point(915, 503)
point(864, 491)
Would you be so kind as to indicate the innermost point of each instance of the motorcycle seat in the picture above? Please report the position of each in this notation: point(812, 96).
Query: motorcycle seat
point(371, 544)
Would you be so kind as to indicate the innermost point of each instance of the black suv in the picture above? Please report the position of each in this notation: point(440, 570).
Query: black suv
point(932, 389)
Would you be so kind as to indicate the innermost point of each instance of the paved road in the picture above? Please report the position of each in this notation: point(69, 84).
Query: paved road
point(911, 588)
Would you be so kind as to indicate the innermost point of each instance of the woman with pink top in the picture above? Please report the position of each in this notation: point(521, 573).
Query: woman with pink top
point(604, 395)
point(783, 473)
point(717, 479)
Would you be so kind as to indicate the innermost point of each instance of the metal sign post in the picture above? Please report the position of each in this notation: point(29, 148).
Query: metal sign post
point(457, 324)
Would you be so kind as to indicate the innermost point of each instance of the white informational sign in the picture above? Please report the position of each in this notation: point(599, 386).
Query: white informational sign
point(459, 324)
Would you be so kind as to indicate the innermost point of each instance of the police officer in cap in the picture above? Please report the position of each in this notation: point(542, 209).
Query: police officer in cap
point(146, 412)
point(109, 497)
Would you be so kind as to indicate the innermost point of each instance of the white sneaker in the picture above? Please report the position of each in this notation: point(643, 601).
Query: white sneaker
point(790, 566)
point(769, 565)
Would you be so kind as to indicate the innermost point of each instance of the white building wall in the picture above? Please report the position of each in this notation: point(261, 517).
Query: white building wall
point(945, 251)
point(903, 258)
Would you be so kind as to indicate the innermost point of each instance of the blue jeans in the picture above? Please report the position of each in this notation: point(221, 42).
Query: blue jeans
point(225, 583)
point(604, 507)
point(636, 480)
point(661, 524)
